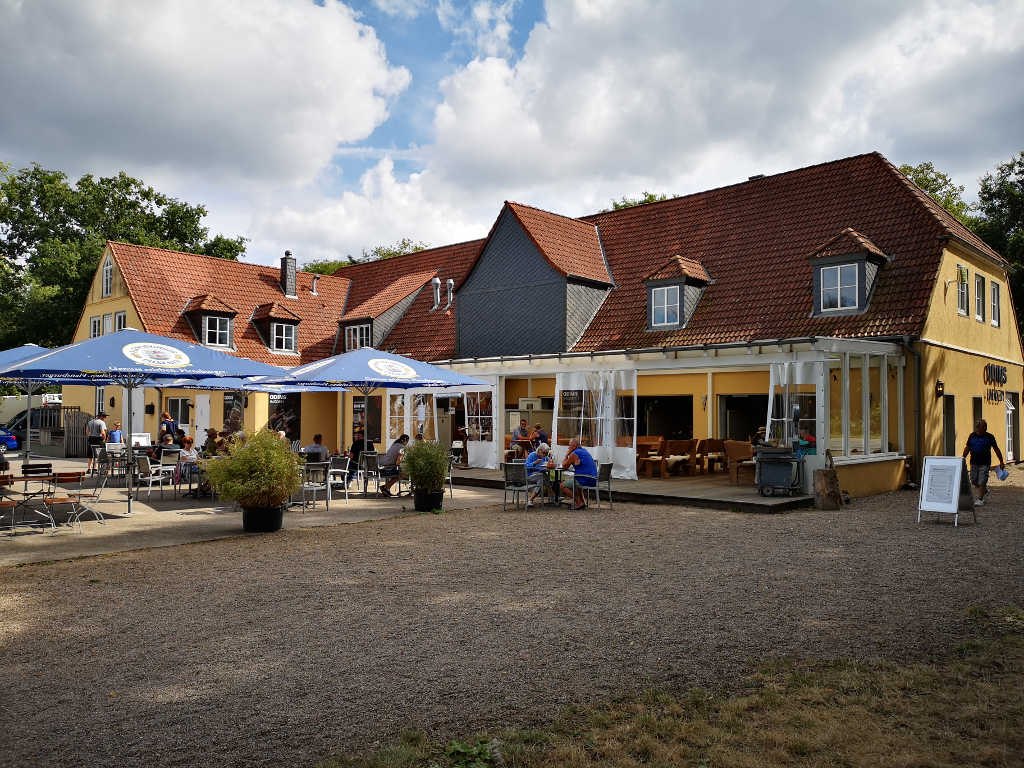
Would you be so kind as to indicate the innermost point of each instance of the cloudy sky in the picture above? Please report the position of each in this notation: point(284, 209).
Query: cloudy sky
point(330, 127)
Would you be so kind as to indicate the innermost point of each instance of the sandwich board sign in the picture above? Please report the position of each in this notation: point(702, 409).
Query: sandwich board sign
point(945, 487)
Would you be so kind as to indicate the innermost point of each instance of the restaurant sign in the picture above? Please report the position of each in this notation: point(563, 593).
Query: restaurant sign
point(995, 377)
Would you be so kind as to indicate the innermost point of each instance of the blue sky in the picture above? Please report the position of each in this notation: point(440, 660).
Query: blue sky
point(330, 128)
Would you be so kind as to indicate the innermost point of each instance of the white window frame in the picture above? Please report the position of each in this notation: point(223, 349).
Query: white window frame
point(357, 336)
point(838, 269)
point(995, 309)
point(284, 337)
point(663, 298)
point(979, 298)
point(99, 405)
point(219, 326)
point(108, 323)
point(107, 277)
point(963, 292)
point(95, 329)
point(174, 407)
point(120, 321)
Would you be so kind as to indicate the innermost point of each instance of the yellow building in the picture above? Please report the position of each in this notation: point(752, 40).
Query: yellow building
point(838, 299)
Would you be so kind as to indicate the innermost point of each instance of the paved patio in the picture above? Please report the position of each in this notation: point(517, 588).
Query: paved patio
point(175, 520)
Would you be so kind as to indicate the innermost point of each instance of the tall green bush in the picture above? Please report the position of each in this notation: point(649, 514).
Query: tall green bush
point(262, 472)
point(427, 466)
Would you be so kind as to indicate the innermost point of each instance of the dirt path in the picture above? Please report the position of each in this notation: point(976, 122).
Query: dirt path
point(276, 650)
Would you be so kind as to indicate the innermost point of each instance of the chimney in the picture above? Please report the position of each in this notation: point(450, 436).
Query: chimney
point(288, 275)
point(755, 177)
point(313, 291)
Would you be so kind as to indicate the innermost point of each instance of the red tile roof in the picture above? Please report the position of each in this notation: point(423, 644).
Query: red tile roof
point(161, 283)
point(420, 333)
point(390, 295)
point(274, 311)
point(846, 242)
point(680, 266)
point(208, 303)
point(571, 246)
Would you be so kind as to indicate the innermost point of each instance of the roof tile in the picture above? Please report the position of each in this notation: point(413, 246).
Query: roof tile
point(573, 247)
point(390, 295)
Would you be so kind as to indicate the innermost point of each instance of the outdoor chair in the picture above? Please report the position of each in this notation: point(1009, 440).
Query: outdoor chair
point(68, 490)
point(148, 474)
point(339, 473)
point(314, 481)
point(681, 456)
point(370, 468)
point(449, 479)
point(169, 465)
point(714, 454)
point(515, 481)
point(296, 446)
point(740, 456)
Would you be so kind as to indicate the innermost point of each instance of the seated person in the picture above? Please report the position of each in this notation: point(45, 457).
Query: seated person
point(317, 452)
point(759, 438)
point(537, 464)
point(539, 435)
point(585, 473)
point(390, 462)
point(522, 432)
point(355, 452)
point(807, 444)
point(210, 445)
point(179, 437)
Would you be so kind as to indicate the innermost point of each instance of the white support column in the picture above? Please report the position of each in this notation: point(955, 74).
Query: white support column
point(883, 380)
point(899, 414)
point(865, 401)
point(710, 405)
point(845, 381)
point(821, 405)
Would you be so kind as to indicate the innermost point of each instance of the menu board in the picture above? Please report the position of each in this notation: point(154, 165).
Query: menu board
point(942, 484)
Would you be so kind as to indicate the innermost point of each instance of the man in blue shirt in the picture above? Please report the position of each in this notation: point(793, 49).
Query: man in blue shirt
point(584, 472)
point(980, 444)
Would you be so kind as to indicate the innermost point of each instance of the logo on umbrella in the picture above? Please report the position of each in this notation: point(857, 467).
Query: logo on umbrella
point(391, 368)
point(155, 355)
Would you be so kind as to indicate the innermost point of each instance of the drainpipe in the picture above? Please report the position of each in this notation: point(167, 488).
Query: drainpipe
point(918, 420)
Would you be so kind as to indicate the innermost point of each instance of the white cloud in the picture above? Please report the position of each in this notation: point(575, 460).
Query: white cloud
point(408, 9)
point(484, 26)
point(238, 89)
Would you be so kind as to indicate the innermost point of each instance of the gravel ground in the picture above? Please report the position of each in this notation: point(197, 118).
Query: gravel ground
point(276, 650)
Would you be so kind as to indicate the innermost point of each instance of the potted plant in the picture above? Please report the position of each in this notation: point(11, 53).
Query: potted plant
point(260, 473)
point(426, 464)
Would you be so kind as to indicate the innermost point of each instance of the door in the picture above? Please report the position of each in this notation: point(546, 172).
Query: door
point(444, 422)
point(1012, 426)
point(138, 401)
point(948, 425)
point(202, 417)
point(976, 410)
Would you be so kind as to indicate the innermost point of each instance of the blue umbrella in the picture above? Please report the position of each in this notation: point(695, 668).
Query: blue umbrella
point(366, 369)
point(11, 356)
point(128, 358)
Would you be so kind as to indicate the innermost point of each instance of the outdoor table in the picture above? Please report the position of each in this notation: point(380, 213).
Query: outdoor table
point(554, 477)
point(28, 496)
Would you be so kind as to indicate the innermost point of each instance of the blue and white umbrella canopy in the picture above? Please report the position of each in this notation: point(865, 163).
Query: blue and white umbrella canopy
point(234, 384)
point(10, 356)
point(368, 368)
point(25, 351)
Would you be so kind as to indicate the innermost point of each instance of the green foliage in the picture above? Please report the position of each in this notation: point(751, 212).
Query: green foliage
point(629, 202)
point(1001, 205)
point(325, 266)
point(402, 247)
point(940, 188)
point(427, 466)
point(479, 754)
point(52, 234)
point(259, 472)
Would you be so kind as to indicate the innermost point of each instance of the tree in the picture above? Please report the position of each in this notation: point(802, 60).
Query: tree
point(52, 234)
point(1001, 220)
point(326, 266)
point(401, 248)
point(629, 202)
point(941, 188)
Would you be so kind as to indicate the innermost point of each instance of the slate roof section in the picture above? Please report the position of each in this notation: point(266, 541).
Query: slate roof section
point(680, 267)
point(160, 282)
point(420, 333)
point(847, 242)
point(209, 303)
point(389, 296)
point(571, 246)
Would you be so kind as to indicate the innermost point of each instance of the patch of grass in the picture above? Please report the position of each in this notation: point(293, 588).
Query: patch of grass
point(965, 708)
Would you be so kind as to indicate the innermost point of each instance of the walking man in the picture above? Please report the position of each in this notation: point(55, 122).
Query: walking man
point(980, 444)
point(95, 434)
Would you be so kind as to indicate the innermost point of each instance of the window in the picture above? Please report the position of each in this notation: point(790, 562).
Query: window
point(108, 324)
point(665, 305)
point(99, 404)
point(179, 408)
point(357, 336)
point(94, 327)
point(479, 416)
point(282, 337)
point(963, 290)
point(979, 298)
point(216, 331)
point(107, 278)
point(839, 287)
point(120, 321)
point(994, 287)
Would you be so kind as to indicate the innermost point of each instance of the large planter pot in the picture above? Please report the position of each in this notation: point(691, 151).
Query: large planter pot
point(427, 502)
point(262, 519)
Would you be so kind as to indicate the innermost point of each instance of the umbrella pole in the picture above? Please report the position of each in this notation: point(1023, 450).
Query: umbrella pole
point(29, 389)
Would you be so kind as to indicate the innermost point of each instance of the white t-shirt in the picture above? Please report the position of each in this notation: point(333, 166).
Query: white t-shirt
point(95, 428)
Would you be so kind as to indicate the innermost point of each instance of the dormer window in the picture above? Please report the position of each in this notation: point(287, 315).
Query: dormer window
point(216, 331)
point(107, 277)
point(665, 306)
point(283, 337)
point(357, 336)
point(839, 287)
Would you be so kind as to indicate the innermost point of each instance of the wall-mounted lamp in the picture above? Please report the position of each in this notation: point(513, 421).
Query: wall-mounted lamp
point(940, 388)
point(111, 402)
point(704, 402)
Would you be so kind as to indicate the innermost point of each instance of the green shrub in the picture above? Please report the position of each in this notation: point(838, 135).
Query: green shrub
point(260, 472)
point(427, 466)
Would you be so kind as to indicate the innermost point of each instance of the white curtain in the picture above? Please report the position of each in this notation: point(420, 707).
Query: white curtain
point(597, 418)
point(482, 453)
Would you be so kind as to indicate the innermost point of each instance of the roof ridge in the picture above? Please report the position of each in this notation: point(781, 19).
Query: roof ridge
point(730, 186)
point(405, 255)
point(551, 213)
point(239, 262)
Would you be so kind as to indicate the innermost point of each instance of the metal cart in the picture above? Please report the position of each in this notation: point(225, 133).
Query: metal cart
point(779, 470)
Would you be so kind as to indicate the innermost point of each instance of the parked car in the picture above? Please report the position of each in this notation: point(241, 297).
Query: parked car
point(8, 442)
